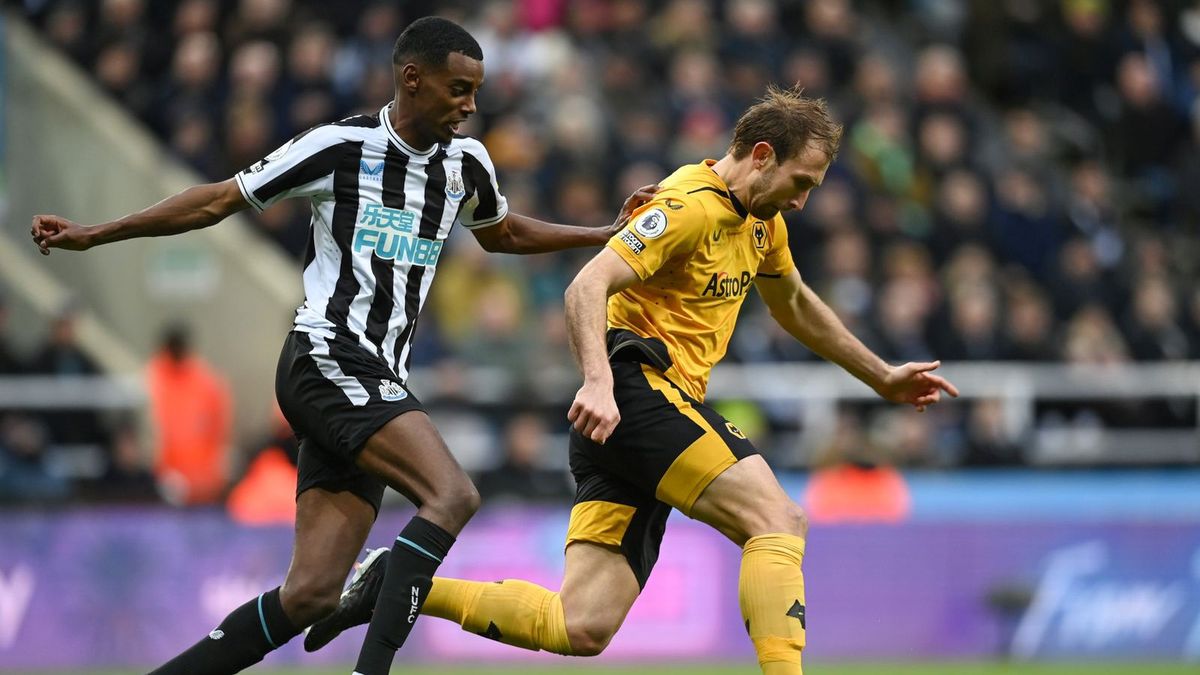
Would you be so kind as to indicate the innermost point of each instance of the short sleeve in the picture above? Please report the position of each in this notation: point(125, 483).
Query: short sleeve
point(657, 233)
point(486, 205)
point(302, 167)
point(777, 261)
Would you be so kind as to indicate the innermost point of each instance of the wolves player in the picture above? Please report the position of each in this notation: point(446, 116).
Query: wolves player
point(385, 191)
point(648, 318)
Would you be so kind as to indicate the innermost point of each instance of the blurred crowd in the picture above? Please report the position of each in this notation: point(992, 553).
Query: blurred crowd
point(183, 451)
point(1013, 182)
point(27, 472)
point(1017, 179)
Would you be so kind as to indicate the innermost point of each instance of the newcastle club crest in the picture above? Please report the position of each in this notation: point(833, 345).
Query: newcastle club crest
point(454, 185)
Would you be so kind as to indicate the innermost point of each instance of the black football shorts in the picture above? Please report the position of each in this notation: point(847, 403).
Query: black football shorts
point(664, 452)
point(336, 395)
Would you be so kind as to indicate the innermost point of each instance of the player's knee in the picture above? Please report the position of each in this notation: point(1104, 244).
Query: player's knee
point(306, 601)
point(456, 502)
point(793, 520)
point(589, 637)
point(784, 517)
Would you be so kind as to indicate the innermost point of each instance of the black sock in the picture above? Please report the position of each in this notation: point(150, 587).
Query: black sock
point(248, 634)
point(418, 551)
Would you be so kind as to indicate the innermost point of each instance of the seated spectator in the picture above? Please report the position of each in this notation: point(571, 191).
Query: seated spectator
point(972, 332)
point(1028, 326)
point(128, 477)
point(991, 439)
point(190, 407)
point(63, 356)
point(1092, 338)
point(1154, 329)
point(521, 475)
point(24, 473)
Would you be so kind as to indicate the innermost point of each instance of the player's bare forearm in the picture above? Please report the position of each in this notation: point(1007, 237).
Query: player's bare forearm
point(829, 338)
point(587, 311)
point(524, 235)
point(594, 411)
point(586, 303)
point(812, 322)
point(192, 209)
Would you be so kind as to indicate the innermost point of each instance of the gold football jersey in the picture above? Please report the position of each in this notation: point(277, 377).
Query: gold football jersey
point(697, 252)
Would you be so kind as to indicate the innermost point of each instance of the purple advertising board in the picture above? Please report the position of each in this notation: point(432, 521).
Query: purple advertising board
point(133, 587)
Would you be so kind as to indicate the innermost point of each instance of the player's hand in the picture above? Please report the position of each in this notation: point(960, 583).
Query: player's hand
point(639, 197)
point(594, 412)
point(54, 232)
point(915, 384)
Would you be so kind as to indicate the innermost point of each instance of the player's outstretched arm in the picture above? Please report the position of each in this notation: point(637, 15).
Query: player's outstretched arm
point(522, 234)
point(798, 309)
point(594, 411)
point(194, 208)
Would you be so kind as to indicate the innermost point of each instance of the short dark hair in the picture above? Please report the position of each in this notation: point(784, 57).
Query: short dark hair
point(431, 39)
point(787, 120)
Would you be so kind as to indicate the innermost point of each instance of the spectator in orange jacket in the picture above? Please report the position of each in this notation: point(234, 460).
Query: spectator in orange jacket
point(190, 406)
point(853, 481)
point(266, 492)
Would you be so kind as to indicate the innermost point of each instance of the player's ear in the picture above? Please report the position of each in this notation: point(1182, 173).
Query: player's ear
point(408, 77)
point(763, 155)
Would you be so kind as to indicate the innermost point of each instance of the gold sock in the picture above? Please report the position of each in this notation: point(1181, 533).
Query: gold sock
point(771, 595)
point(450, 598)
point(512, 611)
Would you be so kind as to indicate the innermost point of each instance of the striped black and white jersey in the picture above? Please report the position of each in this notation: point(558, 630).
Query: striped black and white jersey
point(381, 212)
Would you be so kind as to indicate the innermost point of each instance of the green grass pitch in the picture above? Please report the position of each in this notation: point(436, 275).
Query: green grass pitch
point(749, 669)
point(823, 669)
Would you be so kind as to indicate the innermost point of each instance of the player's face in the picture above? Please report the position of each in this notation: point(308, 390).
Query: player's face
point(446, 95)
point(785, 186)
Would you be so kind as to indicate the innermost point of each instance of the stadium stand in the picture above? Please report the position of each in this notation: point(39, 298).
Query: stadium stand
point(1013, 185)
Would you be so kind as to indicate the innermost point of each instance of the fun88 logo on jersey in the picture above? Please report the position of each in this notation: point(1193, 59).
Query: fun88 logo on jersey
point(389, 234)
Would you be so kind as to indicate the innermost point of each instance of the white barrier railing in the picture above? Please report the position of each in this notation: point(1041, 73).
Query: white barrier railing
point(84, 392)
point(774, 382)
point(816, 390)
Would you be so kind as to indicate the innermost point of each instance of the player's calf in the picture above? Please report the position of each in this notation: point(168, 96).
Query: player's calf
point(309, 595)
point(410, 456)
point(747, 504)
point(356, 604)
point(512, 611)
point(248, 634)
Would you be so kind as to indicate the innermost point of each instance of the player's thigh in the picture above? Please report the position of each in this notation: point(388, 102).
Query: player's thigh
point(361, 426)
point(598, 588)
point(667, 444)
point(331, 528)
point(409, 455)
point(677, 443)
point(746, 500)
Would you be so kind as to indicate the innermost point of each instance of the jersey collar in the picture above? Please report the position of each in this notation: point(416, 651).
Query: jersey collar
point(724, 190)
point(387, 124)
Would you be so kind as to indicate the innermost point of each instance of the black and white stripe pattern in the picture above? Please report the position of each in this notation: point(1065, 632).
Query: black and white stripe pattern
point(381, 211)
